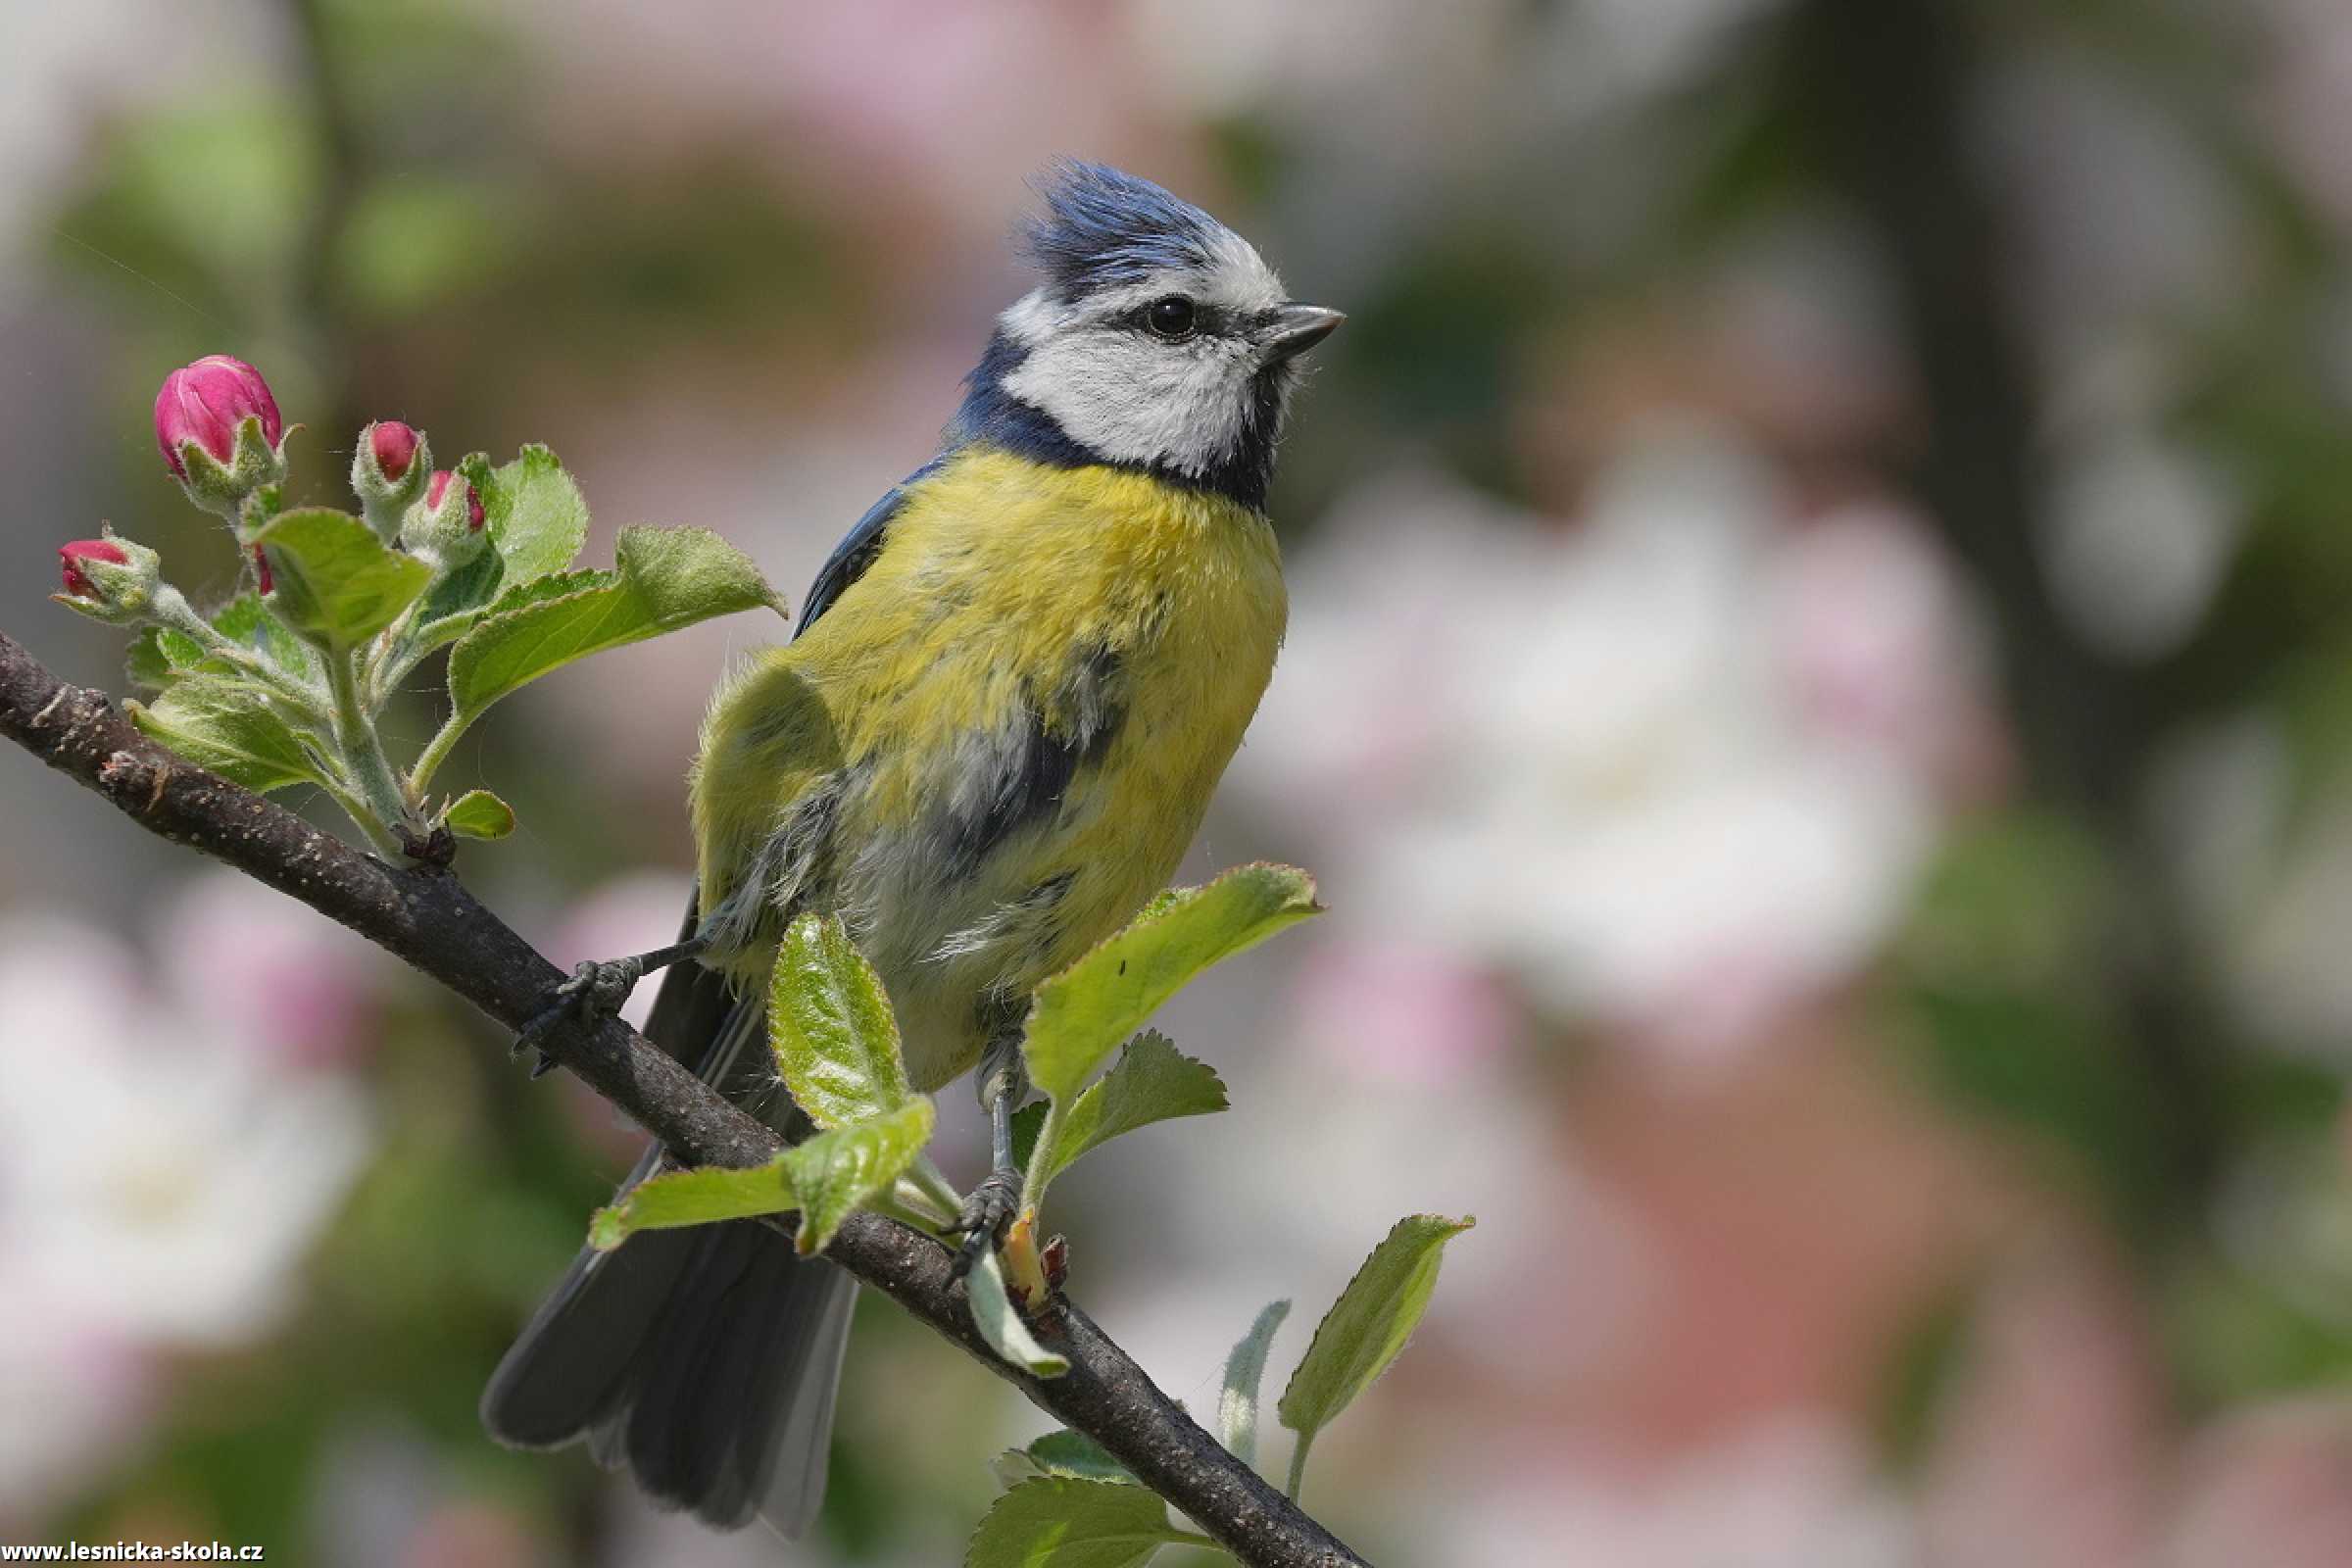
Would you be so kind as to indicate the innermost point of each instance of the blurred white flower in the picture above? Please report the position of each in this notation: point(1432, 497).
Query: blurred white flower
point(154, 1174)
point(160, 1182)
point(76, 1393)
point(1224, 1243)
point(1793, 1493)
point(1675, 772)
point(2141, 534)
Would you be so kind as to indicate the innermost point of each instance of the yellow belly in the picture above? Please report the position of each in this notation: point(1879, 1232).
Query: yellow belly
point(1123, 627)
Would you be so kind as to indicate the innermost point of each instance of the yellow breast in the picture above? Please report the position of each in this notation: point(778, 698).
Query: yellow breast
point(1009, 726)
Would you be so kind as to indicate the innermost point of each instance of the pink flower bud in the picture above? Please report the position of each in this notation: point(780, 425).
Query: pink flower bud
point(82, 551)
point(204, 403)
point(443, 530)
point(473, 499)
point(111, 579)
point(261, 567)
point(395, 446)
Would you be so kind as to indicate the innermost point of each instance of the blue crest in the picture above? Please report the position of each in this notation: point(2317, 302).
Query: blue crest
point(1102, 227)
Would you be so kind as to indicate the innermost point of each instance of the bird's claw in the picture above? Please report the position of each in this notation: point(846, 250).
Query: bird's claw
point(986, 1213)
point(595, 992)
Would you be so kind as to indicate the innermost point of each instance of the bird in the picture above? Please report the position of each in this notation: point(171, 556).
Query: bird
point(1011, 692)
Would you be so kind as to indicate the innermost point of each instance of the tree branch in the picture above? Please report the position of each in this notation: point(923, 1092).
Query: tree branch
point(425, 916)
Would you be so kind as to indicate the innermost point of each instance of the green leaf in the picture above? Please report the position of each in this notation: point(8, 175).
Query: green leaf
point(836, 1172)
point(1060, 1522)
point(831, 1027)
point(1088, 1009)
point(664, 578)
point(1236, 1403)
point(534, 512)
point(1027, 1123)
point(335, 580)
point(453, 602)
point(229, 727)
point(479, 815)
point(159, 655)
point(1073, 1453)
point(826, 1178)
point(1151, 1081)
point(247, 622)
point(1062, 1452)
point(555, 585)
point(1367, 1327)
point(701, 1197)
point(1001, 1325)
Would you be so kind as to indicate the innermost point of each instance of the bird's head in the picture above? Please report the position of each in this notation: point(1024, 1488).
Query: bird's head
point(1158, 340)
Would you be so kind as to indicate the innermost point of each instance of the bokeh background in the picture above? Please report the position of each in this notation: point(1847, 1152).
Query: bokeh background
point(1820, 696)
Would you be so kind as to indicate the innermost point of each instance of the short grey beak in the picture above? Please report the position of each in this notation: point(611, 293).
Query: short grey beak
point(1295, 328)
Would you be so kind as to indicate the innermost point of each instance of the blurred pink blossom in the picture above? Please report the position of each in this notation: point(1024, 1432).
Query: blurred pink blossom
point(473, 1535)
point(1398, 1010)
point(630, 913)
point(2271, 1484)
point(2051, 1442)
point(270, 974)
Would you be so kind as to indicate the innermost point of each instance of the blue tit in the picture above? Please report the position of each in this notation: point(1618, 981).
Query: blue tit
point(1013, 687)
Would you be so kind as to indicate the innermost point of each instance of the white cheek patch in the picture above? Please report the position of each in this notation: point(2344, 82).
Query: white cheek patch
point(1135, 400)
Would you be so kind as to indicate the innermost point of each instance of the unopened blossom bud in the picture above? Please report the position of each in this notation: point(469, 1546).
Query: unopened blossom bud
point(389, 474)
point(221, 433)
point(393, 445)
point(446, 526)
point(109, 580)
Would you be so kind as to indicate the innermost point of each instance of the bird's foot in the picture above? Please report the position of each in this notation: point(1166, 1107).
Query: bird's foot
point(986, 1214)
point(594, 993)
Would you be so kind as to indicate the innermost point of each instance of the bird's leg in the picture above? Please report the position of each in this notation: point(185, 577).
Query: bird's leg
point(595, 992)
point(1003, 1085)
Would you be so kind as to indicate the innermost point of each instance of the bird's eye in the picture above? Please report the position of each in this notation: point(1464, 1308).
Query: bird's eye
point(1171, 317)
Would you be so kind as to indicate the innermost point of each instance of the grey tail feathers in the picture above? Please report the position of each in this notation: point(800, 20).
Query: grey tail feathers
point(704, 1361)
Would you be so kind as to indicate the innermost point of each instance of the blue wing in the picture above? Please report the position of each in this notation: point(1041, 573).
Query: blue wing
point(857, 548)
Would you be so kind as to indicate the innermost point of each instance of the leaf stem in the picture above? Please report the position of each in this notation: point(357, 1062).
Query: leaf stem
point(1035, 1178)
point(1290, 1488)
point(363, 755)
point(437, 749)
point(935, 1186)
